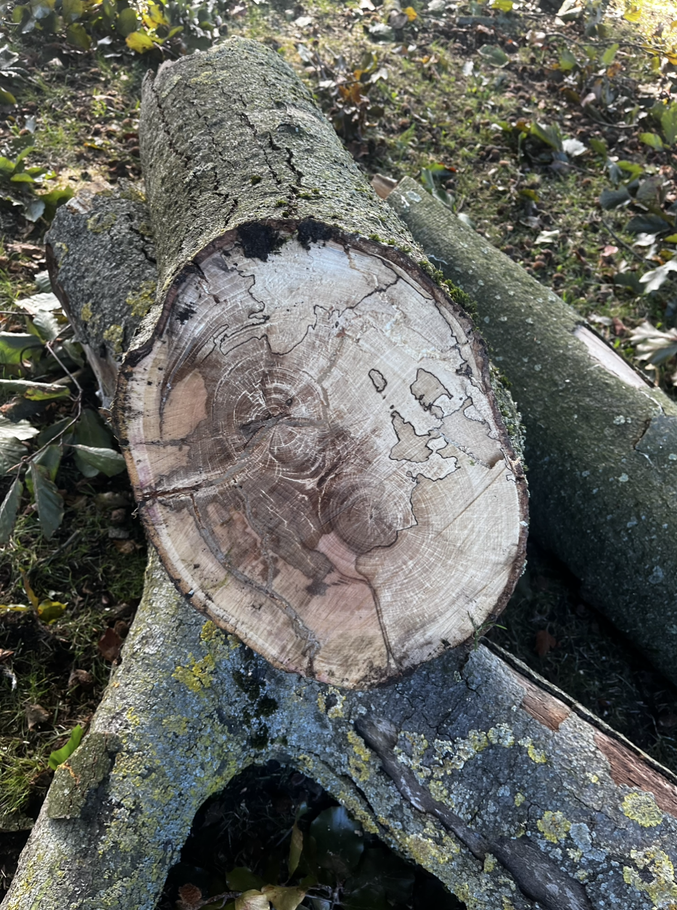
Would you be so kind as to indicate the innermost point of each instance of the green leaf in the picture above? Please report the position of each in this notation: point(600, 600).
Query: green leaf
point(127, 22)
point(48, 500)
point(17, 346)
point(76, 34)
point(34, 391)
point(90, 432)
point(631, 168)
point(599, 147)
point(140, 42)
point(11, 436)
point(6, 97)
point(652, 139)
point(252, 900)
point(295, 849)
point(51, 610)
point(108, 461)
point(57, 758)
point(567, 61)
point(49, 459)
point(37, 392)
point(7, 166)
point(609, 54)
point(647, 224)
point(283, 898)
point(669, 123)
point(612, 199)
point(671, 239)
point(504, 6)
point(72, 10)
point(242, 879)
point(629, 280)
point(9, 508)
point(22, 177)
point(550, 135)
point(494, 55)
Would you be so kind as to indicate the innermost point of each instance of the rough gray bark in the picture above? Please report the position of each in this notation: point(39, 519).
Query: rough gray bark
point(112, 232)
point(467, 767)
point(601, 444)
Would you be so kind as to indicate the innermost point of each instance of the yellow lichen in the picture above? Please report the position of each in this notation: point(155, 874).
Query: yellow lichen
point(114, 335)
point(439, 792)
point(489, 863)
point(641, 808)
point(86, 312)
point(209, 631)
point(507, 904)
point(133, 717)
point(337, 701)
point(554, 826)
point(143, 299)
point(197, 675)
point(100, 222)
point(535, 754)
point(662, 889)
point(478, 740)
point(519, 798)
point(176, 723)
point(575, 854)
point(359, 747)
point(501, 735)
point(593, 778)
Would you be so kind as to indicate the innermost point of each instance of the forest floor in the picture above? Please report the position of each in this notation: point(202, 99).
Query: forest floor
point(556, 139)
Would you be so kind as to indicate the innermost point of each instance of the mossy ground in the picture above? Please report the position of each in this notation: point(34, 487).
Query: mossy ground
point(429, 96)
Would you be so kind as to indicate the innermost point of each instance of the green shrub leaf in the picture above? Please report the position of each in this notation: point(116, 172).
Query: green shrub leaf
point(108, 461)
point(8, 510)
point(48, 500)
point(57, 758)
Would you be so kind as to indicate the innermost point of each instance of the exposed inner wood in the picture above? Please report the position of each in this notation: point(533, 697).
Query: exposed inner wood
point(319, 463)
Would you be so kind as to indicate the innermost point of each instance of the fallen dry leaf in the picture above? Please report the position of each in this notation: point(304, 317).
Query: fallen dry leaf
point(82, 678)
point(36, 715)
point(544, 642)
point(109, 645)
point(189, 896)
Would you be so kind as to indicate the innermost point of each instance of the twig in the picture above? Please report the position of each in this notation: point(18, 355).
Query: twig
point(613, 233)
point(60, 550)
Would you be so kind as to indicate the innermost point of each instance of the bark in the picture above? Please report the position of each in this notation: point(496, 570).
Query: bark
point(601, 444)
point(309, 424)
point(469, 767)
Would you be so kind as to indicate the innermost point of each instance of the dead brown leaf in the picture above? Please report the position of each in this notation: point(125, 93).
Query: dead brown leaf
point(82, 678)
point(109, 645)
point(544, 642)
point(36, 715)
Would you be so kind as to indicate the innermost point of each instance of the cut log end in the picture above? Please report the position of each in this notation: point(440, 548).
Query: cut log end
point(318, 457)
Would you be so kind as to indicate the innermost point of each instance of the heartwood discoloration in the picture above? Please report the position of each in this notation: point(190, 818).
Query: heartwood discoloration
point(318, 459)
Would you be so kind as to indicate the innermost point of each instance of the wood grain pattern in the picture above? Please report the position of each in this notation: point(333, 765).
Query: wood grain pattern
point(318, 458)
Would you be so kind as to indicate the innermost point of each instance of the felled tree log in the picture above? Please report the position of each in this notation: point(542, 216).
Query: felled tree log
point(601, 444)
point(471, 766)
point(308, 420)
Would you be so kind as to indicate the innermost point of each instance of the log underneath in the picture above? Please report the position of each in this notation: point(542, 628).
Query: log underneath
point(601, 443)
point(308, 419)
point(505, 792)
